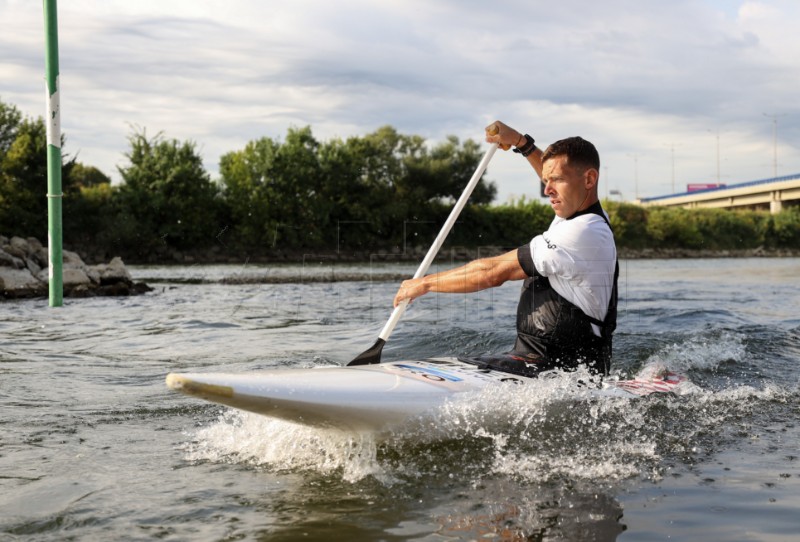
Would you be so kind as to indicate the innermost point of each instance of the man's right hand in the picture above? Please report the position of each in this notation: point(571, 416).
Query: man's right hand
point(409, 290)
point(503, 135)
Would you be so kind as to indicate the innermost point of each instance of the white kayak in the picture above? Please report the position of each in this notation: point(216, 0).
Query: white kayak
point(373, 397)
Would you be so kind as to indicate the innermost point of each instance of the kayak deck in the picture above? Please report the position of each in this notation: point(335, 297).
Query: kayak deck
point(373, 397)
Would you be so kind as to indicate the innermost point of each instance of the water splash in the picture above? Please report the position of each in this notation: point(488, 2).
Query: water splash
point(699, 353)
point(557, 429)
point(534, 433)
point(243, 437)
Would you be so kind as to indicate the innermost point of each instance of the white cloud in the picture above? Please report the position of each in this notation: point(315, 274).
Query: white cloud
point(636, 78)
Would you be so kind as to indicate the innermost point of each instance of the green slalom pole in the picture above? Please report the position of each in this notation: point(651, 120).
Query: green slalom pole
point(54, 194)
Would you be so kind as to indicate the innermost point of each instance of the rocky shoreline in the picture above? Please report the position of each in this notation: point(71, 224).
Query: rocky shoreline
point(24, 266)
point(217, 256)
point(24, 273)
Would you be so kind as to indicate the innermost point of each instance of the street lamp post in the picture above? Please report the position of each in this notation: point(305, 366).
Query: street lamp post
point(635, 173)
point(774, 118)
point(672, 151)
point(716, 134)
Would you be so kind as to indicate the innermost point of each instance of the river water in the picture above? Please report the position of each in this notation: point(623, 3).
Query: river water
point(94, 447)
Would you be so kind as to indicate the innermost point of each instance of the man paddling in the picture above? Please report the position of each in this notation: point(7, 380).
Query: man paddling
point(567, 310)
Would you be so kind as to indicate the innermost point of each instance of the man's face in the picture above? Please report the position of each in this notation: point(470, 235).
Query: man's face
point(568, 188)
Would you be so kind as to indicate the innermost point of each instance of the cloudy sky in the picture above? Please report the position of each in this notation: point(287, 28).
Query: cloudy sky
point(659, 87)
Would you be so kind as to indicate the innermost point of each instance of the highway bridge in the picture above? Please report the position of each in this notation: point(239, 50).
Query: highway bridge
point(773, 194)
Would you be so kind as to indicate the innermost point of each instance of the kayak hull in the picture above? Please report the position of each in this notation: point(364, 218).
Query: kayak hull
point(368, 397)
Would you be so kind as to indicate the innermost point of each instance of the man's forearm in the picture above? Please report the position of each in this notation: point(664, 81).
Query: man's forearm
point(535, 160)
point(472, 277)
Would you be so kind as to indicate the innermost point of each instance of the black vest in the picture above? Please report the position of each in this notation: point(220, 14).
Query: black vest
point(558, 332)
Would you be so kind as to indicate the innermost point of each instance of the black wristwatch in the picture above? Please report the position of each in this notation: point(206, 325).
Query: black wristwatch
point(527, 148)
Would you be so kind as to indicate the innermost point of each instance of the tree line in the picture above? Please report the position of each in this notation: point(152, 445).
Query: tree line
point(384, 191)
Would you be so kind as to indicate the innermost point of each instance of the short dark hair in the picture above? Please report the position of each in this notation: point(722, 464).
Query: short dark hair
point(579, 152)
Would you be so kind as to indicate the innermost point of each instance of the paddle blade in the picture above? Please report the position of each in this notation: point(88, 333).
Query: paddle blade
point(370, 356)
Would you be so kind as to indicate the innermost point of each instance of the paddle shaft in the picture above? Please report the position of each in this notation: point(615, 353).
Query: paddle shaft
point(437, 244)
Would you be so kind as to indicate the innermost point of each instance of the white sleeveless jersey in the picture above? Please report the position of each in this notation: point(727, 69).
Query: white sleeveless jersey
point(578, 256)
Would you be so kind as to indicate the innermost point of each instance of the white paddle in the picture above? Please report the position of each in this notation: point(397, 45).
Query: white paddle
point(373, 354)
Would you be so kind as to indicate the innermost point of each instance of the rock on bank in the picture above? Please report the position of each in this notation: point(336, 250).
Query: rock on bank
point(24, 272)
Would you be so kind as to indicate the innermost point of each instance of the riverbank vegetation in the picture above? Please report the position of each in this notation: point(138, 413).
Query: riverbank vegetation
point(383, 192)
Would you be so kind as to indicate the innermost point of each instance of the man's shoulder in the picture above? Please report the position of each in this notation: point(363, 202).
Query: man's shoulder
point(588, 226)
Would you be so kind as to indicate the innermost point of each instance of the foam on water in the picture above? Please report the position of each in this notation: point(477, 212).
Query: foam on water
point(239, 436)
point(556, 429)
point(699, 352)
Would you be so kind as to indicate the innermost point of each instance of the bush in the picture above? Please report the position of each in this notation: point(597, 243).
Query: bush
point(725, 229)
point(509, 225)
point(670, 227)
point(629, 223)
point(785, 229)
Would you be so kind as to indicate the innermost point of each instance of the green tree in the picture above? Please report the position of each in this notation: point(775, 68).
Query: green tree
point(351, 198)
point(726, 229)
point(383, 181)
point(509, 225)
point(10, 118)
point(84, 176)
point(91, 220)
point(90, 210)
point(167, 198)
point(357, 193)
point(377, 198)
point(273, 191)
point(441, 173)
point(785, 229)
point(629, 223)
point(23, 178)
point(673, 228)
